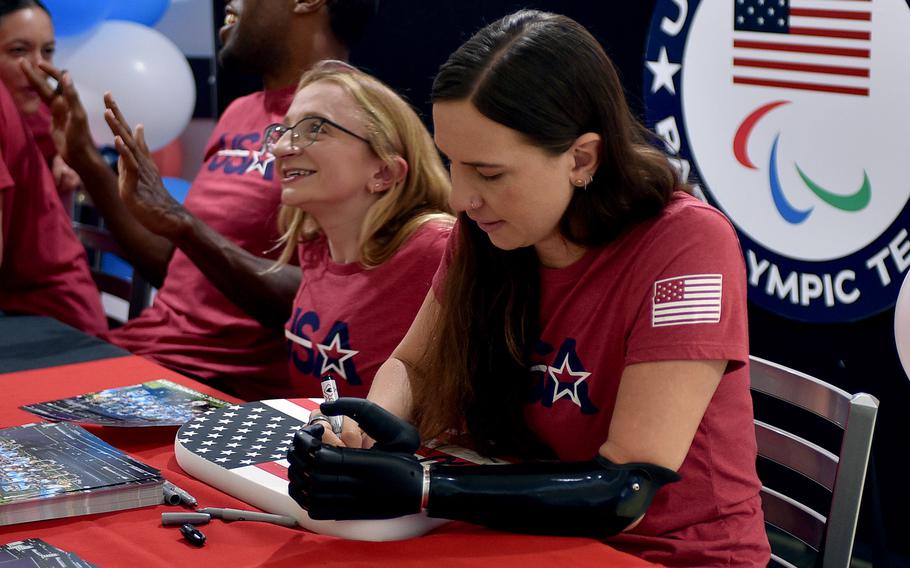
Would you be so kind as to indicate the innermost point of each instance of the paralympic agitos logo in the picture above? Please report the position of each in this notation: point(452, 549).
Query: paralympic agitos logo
point(793, 115)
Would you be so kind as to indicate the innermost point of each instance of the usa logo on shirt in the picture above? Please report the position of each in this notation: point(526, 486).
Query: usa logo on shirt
point(565, 378)
point(243, 156)
point(330, 357)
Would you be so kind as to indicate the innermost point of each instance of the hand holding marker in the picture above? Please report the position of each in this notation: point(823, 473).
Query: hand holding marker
point(330, 394)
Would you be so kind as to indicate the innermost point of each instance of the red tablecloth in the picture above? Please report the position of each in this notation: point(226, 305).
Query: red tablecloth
point(135, 538)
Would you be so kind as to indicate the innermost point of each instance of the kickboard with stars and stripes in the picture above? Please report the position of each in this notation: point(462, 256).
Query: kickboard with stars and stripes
point(242, 450)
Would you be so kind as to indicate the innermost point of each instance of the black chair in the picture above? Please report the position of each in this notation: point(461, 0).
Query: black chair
point(116, 291)
point(829, 535)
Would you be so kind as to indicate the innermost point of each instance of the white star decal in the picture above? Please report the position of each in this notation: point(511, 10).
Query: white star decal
point(222, 460)
point(203, 450)
point(336, 363)
point(558, 392)
point(246, 462)
point(227, 452)
point(663, 72)
point(208, 443)
point(260, 162)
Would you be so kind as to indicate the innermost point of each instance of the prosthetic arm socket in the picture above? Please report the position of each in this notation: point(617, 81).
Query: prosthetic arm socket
point(596, 497)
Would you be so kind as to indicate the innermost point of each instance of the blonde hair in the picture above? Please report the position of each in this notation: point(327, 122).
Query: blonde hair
point(393, 130)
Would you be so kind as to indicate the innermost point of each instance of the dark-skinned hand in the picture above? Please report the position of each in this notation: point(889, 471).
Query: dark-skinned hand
point(140, 183)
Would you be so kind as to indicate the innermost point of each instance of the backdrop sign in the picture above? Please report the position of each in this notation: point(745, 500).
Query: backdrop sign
point(794, 116)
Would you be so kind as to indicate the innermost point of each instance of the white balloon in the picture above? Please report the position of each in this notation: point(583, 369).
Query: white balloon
point(147, 74)
point(902, 324)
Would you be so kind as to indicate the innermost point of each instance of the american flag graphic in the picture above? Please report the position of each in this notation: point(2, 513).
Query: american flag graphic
point(242, 450)
point(809, 45)
point(687, 300)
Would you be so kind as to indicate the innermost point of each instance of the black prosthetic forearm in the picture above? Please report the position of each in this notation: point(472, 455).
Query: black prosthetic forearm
point(596, 497)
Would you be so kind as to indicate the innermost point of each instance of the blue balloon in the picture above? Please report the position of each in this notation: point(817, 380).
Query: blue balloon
point(147, 12)
point(177, 187)
point(74, 18)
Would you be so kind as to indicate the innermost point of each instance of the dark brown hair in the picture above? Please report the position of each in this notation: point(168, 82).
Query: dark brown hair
point(544, 76)
point(10, 6)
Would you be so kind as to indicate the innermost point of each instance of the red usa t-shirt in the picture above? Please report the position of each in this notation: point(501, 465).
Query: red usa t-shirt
point(192, 327)
point(348, 319)
point(43, 267)
point(670, 288)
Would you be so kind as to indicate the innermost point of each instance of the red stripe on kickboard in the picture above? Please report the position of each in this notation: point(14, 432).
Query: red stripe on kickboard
point(305, 403)
point(275, 469)
point(432, 455)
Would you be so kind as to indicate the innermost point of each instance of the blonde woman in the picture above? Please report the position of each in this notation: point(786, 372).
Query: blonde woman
point(364, 206)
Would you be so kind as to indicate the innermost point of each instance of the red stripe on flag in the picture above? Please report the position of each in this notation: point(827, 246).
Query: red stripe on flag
point(304, 403)
point(275, 469)
point(833, 14)
point(819, 32)
point(825, 50)
point(809, 68)
point(802, 86)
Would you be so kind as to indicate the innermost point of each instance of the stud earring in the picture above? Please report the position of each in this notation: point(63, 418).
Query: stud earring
point(475, 204)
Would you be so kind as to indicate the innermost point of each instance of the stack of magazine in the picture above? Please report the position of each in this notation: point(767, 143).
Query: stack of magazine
point(35, 553)
point(57, 470)
point(155, 403)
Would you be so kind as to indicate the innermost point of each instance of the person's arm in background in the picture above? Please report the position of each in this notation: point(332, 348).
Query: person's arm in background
point(148, 252)
point(237, 273)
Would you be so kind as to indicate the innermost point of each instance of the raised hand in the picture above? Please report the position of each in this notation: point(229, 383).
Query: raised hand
point(71, 132)
point(345, 483)
point(140, 183)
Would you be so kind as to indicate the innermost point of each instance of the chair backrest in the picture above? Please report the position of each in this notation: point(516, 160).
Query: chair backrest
point(122, 298)
point(843, 475)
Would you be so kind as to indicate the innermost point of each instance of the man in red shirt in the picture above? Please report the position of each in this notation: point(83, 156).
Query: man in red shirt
point(216, 316)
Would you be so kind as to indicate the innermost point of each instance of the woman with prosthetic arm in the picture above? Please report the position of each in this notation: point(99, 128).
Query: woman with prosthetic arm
point(588, 320)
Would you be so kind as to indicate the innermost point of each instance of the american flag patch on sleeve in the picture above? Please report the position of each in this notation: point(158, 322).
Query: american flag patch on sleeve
point(695, 298)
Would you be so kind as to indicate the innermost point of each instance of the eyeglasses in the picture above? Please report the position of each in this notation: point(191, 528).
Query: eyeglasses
point(304, 133)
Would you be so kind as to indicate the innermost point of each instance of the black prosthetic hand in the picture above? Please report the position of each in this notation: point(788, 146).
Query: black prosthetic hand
point(344, 483)
point(596, 497)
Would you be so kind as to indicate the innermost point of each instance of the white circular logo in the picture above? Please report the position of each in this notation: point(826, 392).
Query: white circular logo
point(794, 113)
